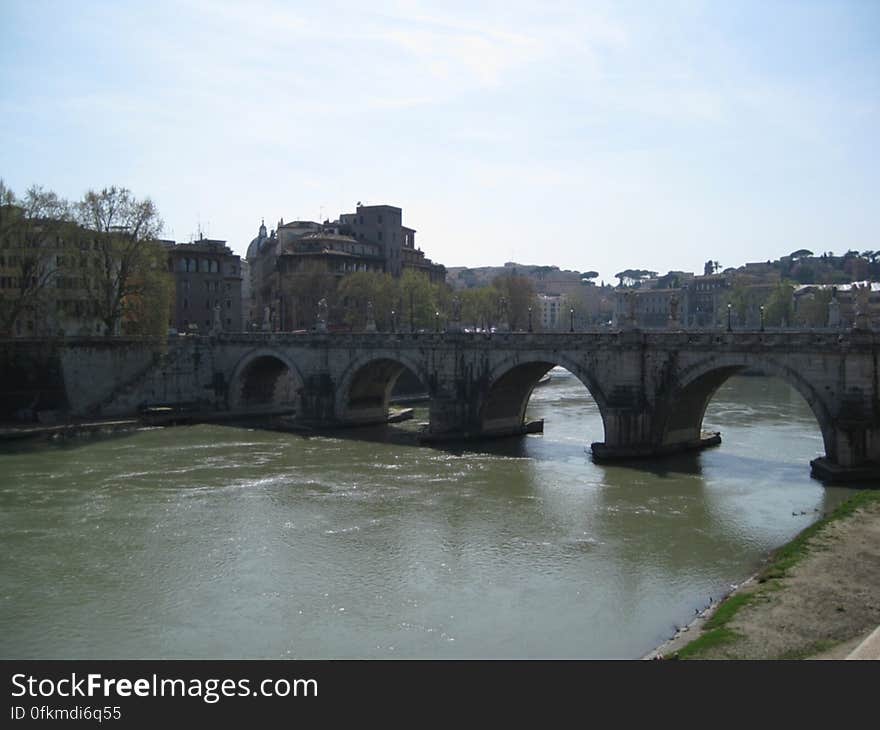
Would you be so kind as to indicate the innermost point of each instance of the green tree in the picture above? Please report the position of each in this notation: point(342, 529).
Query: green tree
point(357, 289)
point(417, 301)
point(145, 310)
point(515, 294)
point(479, 307)
point(30, 230)
point(779, 309)
point(812, 310)
point(125, 231)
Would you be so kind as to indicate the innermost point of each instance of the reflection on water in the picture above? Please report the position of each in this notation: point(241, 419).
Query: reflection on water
point(212, 541)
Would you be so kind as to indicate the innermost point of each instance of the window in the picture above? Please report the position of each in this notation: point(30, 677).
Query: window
point(379, 220)
point(379, 234)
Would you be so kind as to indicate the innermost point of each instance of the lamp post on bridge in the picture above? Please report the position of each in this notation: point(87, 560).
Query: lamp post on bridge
point(436, 321)
point(393, 321)
point(571, 320)
point(729, 314)
point(530, 319)
point(762, 317)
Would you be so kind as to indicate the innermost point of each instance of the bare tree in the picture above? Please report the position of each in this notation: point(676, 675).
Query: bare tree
point(30, 230)
point(124, 250)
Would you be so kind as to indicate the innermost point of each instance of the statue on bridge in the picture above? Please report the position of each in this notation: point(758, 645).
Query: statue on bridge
point(834, 309)
point(629, 317)
point(321, 325)
point(503, 316)
point(267, 319)
point(673, 312)
point(218, 325)
point(861, 303)
point(371, 320)
point(455, 323)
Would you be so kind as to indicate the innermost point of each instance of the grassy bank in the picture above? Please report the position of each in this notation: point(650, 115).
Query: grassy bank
point(724, 631)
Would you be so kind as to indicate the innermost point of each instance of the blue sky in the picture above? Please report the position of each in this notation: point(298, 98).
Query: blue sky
point(588, 135)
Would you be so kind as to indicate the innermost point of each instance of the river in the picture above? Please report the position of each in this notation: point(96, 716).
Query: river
point(227, 542)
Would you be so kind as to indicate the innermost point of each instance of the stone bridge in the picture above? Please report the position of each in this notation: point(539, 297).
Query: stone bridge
point(651, 388)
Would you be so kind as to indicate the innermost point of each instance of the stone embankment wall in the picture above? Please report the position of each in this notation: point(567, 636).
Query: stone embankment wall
point(31, 381)
point(55, 380)
point(104, 379)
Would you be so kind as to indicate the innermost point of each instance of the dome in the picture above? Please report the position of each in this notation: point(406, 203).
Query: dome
point(256, 244)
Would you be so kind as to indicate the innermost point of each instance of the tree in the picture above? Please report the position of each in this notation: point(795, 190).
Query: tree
point(418, 300)
point(634, 277)
point(123, 253)
point(779, 309)
point(356, 289)
point(145, 311)
point(30, 230)
point(812, 308)
point(479, 307)
point(518, 294)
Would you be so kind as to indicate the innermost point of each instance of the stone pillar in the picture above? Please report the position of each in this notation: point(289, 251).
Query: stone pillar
point(317, 401)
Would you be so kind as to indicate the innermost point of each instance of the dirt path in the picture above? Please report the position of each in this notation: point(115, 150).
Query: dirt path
point(818, 598)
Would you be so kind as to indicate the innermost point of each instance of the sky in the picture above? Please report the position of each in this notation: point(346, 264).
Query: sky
point(587, 135)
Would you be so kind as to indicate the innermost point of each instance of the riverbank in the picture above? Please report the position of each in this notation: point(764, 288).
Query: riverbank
point(818, 597)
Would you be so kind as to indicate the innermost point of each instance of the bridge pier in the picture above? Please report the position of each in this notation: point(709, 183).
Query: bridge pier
point(605, 452)
point(856, 453)
point(317, 401)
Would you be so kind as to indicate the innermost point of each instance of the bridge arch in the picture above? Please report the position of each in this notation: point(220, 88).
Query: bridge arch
point(264, 378)
point(365, 387)
point(510, 386)
point(699, 382)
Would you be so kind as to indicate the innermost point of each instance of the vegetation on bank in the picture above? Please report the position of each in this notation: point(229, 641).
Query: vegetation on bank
point(96, 263)
point(717, 630)
point(412, 301)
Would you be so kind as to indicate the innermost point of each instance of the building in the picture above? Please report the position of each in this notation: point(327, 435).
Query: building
point(247, 312)
point(647, 308)
point(44, 290)
point(382, 226)
point(691, 301)
point(295, 265)
point(839, 304)
point(207, 286)
point(550, 307)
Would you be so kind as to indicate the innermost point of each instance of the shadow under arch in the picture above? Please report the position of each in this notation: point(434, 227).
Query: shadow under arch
point(511, 383)
point(699, 383)
point(264, 378)
point(364, 393)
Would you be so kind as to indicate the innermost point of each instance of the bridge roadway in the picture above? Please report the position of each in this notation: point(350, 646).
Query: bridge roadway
point(651, 387)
